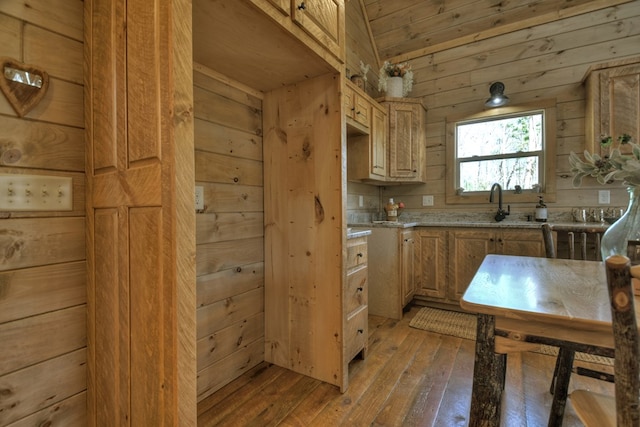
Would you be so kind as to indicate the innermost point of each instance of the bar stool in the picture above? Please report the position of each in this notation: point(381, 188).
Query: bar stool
point(588, 242)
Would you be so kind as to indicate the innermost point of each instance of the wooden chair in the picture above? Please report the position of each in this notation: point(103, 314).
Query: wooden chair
point(587, 239)
point(599, 410)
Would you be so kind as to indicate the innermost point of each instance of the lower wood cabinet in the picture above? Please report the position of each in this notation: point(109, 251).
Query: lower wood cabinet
point(356, 298)
point(391, 271)
point(449, 258)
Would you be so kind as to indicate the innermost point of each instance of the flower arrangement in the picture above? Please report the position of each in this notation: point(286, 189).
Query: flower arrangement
point(613, 166)
point(396, 70)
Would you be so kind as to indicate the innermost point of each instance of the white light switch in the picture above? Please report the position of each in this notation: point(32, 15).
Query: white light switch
point(36, 193)
point(604, 197)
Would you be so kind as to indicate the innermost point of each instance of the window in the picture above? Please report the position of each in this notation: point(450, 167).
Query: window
point(513, 146)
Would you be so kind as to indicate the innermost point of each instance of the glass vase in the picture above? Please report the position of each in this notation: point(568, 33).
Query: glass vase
point(616, 239)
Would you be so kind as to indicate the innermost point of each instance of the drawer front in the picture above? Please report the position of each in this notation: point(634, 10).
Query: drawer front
point(357, 289)
point(356, 252)
point(356, 333)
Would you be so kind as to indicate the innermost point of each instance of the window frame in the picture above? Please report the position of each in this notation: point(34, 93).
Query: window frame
point(548, 191)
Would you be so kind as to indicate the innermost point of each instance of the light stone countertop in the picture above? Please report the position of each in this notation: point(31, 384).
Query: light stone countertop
point(353, 234)
point(478, 224)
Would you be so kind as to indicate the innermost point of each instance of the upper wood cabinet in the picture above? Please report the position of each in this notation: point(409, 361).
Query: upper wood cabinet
point(406, 121)
point(323, 20)
point(612, 102)
point(366, 136)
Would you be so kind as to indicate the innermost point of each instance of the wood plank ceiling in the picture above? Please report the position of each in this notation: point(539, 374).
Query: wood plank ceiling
point(414, 30)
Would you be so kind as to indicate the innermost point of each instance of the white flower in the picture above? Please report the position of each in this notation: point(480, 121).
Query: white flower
point(616, 166)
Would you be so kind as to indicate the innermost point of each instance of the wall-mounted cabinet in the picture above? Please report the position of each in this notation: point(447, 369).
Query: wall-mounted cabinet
point(612, 102)
point(366, 136)
point(386, 141)
point(406, 122)
point(322, 20)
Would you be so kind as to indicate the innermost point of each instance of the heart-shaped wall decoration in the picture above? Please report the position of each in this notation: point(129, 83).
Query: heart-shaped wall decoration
point(23, 85)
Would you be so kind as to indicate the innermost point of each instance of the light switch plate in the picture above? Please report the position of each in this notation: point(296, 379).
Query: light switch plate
point(604, 197)
point(427, 200)
point(199, 197)
point(360, 201)
point(36, 193)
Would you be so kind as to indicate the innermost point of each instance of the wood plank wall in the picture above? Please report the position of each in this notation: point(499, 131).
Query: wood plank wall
point(543, 61)
point(42, 266)
point(229, 231)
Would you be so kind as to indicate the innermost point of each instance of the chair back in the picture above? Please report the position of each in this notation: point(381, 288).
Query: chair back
point(583, 241)
point(626, 340)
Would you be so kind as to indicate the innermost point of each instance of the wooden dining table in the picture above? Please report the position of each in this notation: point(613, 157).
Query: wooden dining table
point(533, 301)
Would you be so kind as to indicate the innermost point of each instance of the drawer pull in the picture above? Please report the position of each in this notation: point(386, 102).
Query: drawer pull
point(361, 331)
point(302, 6)
point(360, 288)
point(360, 255)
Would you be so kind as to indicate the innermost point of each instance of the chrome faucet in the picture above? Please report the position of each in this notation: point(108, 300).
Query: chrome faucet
point(501, 214)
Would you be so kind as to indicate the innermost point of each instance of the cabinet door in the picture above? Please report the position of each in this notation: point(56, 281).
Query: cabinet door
point(378, 143)
point(362, 113)
point(520, 242)
point(349, 102)
point(407, 278)
point(620, 101)
point(613, 104)
point(431, 263)
point(323, 20)
point(467, 249)
point(406, 141)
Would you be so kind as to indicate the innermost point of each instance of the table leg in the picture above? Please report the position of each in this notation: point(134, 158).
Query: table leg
point(564, 365)
point(488, 376)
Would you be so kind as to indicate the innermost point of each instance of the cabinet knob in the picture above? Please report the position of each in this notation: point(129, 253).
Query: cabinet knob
point(491, 239)
point(361, 331)
point(302, 6)
point(360, 255)
point(360, 288)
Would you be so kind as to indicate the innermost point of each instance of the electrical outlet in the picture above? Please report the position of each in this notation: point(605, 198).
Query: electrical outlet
point(36, 193)
point(199, 197)
point(360, 201)
point(427, 200)
point(604, 197)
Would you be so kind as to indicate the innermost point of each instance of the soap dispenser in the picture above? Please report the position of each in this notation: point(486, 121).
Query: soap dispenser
point(541, 211)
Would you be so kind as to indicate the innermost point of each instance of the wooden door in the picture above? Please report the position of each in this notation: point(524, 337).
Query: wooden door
point(140, 213)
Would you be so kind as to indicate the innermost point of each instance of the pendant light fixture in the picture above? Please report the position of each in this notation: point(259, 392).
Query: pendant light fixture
point(498, 98)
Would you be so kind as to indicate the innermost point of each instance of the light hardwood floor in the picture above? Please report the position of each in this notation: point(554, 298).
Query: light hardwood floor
point(409, 378)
